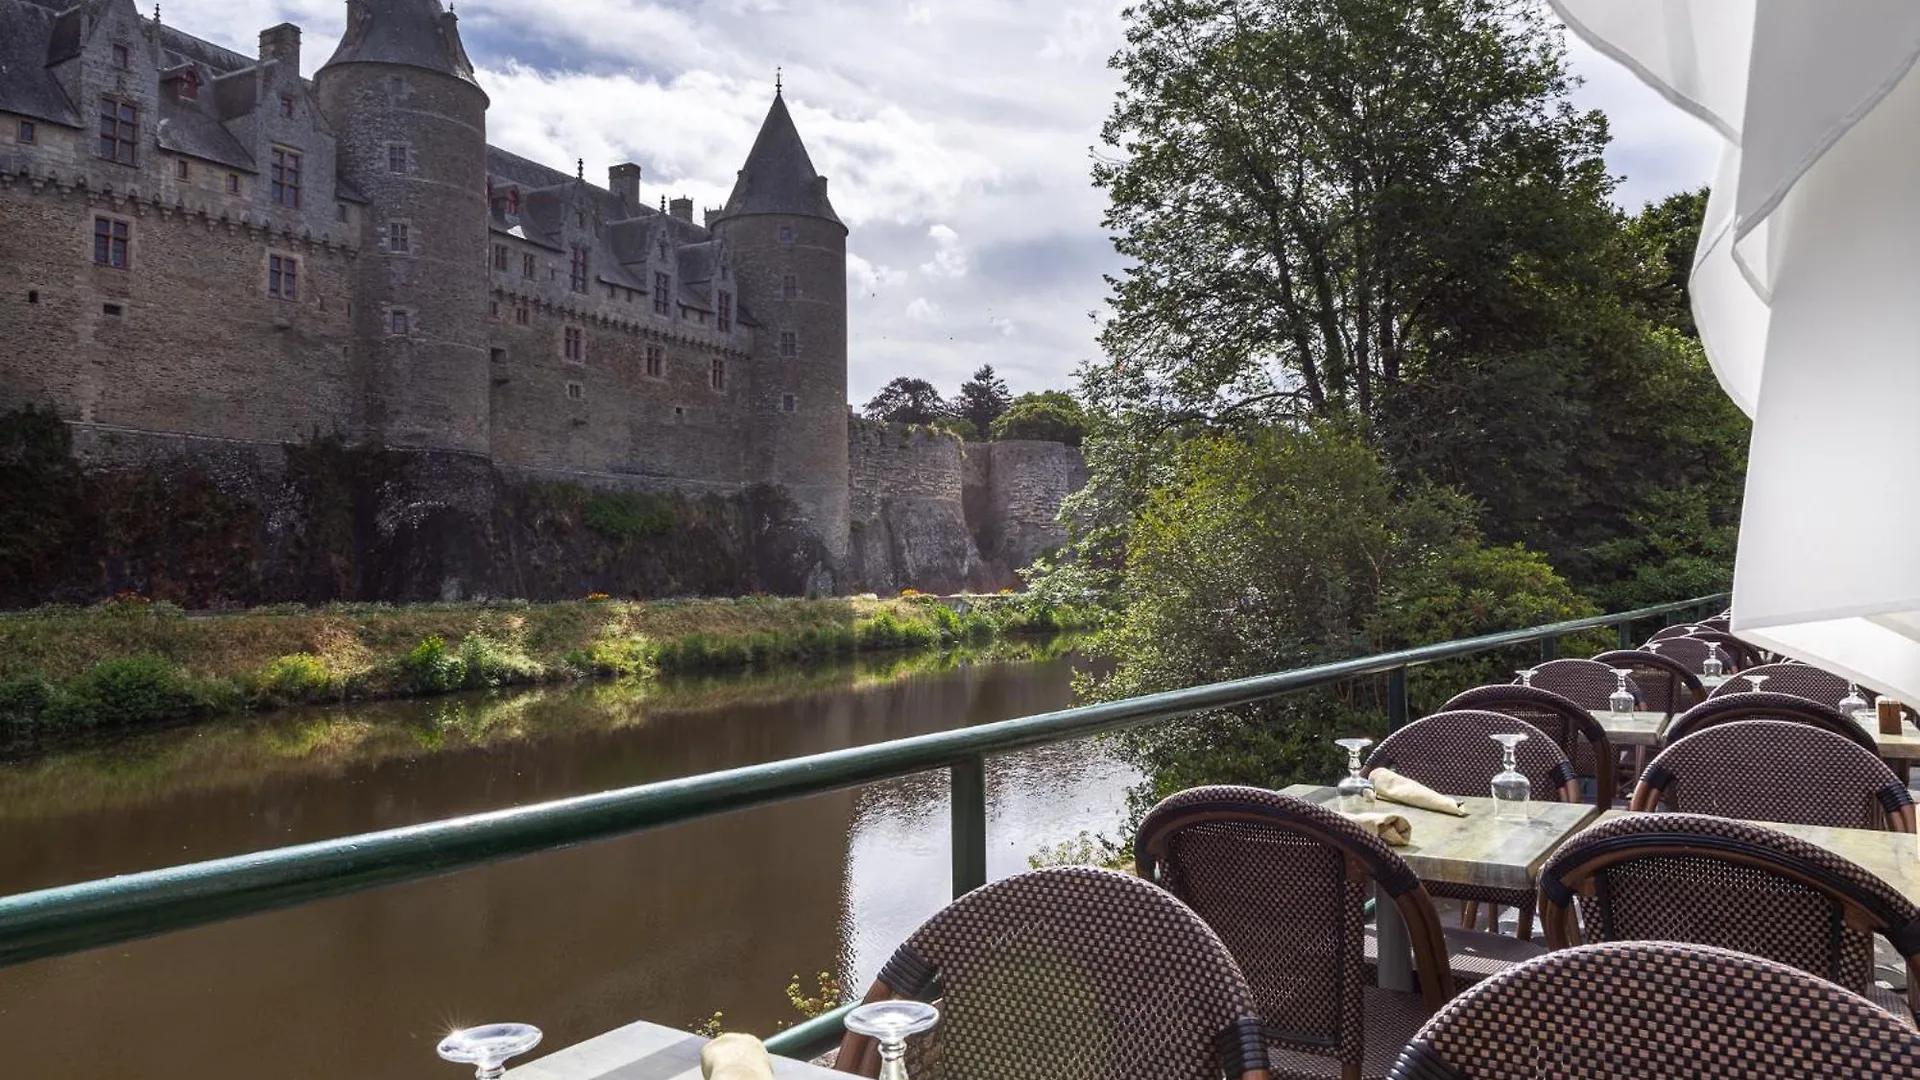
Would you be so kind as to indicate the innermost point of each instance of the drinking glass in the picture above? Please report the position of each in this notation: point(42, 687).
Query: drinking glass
point(1356, 791)
point(1526, 675)
point(488, 1047)
point(1853, 704)
point(891, 1022)
point(1511, 790)
point(1622, 698)
point(1711, 667)
point(1756, 680)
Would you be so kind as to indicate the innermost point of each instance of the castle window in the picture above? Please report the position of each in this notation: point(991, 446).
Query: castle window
point(233, 188)
point(26, 132)
point(789, 343)
point(286, 178)
point(396, 86)
point(723, 320)
point(513, 203)
point(190, 85)
point(663, 251)
point(656, 360)
point(110, 236)
point(520, 314)
point(577, 274)
point(789, 288)
point(116, 310)
point(528, 266)
point(786, 234)
point(283, 277)
point(662, 294)
point(497, 354)
point(717, 374)
point(787, 403)
point(399, 237)
point(122, 59)
point(576, 392)
point(399, 322)
point(340, 212)
point(573, 345)
point(500, 257)
point(180, 169)
point(119, 131)
point(493, 308)
point(397, 157)
point(286, 105)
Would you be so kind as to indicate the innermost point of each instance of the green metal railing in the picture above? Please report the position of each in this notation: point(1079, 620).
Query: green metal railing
point(91, 914)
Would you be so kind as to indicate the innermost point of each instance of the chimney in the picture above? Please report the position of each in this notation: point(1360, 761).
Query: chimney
point(281, 43)
point(624, 181)
point(712, 215)
point(681, 209)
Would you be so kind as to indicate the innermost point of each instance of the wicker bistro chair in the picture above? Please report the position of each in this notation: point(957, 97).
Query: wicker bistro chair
point(1732, 885)
point(1583, 682)
point(1571, 727)
point(1659, 1009)
point(1770, 770)
point(1451, 753)
point(1070, 972)
point(1800, 680)
point(1285, 883)
point(1690, 653)
point(1767, 705)
point(1665, 683)
point(1677, 630)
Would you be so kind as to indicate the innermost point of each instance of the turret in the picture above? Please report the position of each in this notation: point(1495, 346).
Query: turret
point(791, 251)
point(412, 139)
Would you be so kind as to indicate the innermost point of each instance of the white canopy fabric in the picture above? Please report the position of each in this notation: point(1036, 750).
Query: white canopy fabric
point(1806, 290)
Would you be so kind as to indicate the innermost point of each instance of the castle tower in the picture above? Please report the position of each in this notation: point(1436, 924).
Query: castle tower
point(412, 128)
point(791, 253)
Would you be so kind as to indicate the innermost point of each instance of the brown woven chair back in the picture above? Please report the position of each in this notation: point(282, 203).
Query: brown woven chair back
point(1767, 705)
point(1451, 752)
point(1678, 630)
point(1800, 680)
point(1582, 682)
point(1722, 622)
point(1658, 1009)
point(1285, 883)
point(1572, 728)
point(1772, 770)
point(1689, 653)
point(1666, 684)
point(1070, 972)
point(1732, 648)
point(1730, 884)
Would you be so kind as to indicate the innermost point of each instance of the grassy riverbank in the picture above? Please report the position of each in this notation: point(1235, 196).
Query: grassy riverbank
point(129, 663)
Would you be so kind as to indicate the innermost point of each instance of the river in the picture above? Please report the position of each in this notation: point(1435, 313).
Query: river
point(670, 925)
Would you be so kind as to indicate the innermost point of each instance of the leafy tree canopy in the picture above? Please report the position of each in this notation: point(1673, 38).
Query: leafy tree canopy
point(906, 400)
point(982, 399)
point(1050, 416)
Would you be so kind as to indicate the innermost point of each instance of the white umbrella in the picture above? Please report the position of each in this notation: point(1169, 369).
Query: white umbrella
point(1806, 289)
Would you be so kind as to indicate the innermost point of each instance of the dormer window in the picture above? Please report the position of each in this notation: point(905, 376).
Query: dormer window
point(513, 202)
point(190, 85)
point(723, 318)
point(122, 58)
point(286, 106)
point(663, 251)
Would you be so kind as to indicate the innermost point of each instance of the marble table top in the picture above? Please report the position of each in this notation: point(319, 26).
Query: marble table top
point(1893, 857)
point(644, 1051)
point(1476, 849)
point(1902, 747)
point(1633, 729)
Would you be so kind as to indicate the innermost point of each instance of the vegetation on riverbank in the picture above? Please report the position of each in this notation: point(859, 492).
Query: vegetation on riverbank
point(130, 663)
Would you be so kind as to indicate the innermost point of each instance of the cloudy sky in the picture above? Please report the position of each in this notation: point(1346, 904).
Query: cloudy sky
point(957, 135)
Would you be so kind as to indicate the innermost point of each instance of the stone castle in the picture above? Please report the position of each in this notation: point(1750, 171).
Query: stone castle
point(203, 252)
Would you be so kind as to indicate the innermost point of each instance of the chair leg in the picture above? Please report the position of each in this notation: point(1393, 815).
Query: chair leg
point(1469, 914)
point(1523, 922)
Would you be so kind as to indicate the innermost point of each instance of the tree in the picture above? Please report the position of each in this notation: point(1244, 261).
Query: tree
point(1048, 416)
point(981, 399)
point(906, 400)
point(1670, 231)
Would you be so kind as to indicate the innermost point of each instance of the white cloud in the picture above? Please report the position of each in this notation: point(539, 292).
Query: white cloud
point(924, 310)
point(949, 258)
point(1004, 326)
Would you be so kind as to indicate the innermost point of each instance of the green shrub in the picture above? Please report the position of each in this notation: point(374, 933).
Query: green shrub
point(432, 669)
point(26, 703)
point(888, 631)
point(485, 661)
point(624, 658)
point(1051, 416)
point(626, 516)
point(130, 690)
point(295, 678)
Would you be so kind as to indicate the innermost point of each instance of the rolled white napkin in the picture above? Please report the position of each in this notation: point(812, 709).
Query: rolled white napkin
point(1394, 829)
point(735, 1056)
point(1393, 787)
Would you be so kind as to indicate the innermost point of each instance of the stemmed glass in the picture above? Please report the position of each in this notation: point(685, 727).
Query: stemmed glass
point(1622, 698)
point(1756, 680)
point(1654, 647)
point(890, 1022)
point(488, 1047)
point(1711, 667)
point(1526, 675)
point(1853, 704)
point(1356, 791)
point(1511, 789)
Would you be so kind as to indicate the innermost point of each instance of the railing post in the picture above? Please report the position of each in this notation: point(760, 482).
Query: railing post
point(1549, 649)
point(969, 784)
point(1626, 635)
point(1396, 699)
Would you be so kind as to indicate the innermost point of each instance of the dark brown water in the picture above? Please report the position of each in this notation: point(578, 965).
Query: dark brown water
point(669, 925)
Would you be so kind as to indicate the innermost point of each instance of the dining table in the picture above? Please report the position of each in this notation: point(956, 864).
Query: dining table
point(1893, 857)
point(1639, 728)
point(645, 1051)
point(1477, 849)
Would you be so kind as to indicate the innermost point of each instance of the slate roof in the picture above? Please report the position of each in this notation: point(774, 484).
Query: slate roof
point(26, 86)
point(779, 176)
point(412, 33)
point(180, 46)
point(186, 127)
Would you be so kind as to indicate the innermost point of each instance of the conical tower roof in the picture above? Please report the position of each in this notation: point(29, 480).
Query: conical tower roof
point(411, 33)
point(779, 177)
